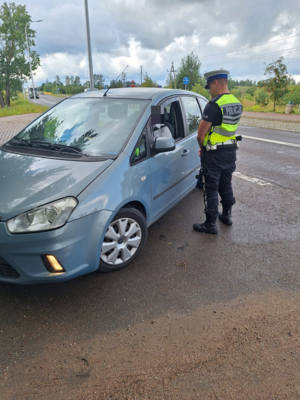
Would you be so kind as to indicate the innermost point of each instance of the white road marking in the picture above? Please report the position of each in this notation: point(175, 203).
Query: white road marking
point(272, 141)
point(250, 179)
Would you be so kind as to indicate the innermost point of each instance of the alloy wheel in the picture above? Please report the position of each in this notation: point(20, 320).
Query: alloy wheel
point(121, 241)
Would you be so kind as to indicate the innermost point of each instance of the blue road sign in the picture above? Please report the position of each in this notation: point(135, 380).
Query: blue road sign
point(186, 80)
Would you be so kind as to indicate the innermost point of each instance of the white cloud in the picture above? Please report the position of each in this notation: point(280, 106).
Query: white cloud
point(222, 41)
point(155, 33)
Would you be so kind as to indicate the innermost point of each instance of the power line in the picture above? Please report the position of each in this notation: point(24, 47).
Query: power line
point(242, 48)
point(259, 56)
point(250, 47)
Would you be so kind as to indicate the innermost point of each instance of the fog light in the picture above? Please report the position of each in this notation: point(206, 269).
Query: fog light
point(52, 264)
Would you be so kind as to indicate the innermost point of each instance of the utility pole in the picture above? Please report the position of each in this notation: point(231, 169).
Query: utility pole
point(124, 78)
point(141, 74)
point(89, 45)
point(40, 20)
point(173, 71)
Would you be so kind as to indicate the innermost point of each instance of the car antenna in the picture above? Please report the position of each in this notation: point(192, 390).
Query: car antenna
point(115, 80)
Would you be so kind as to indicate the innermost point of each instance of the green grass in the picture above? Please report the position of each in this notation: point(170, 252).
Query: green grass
point(60, 95)
point(249, 105)
point(21, 106)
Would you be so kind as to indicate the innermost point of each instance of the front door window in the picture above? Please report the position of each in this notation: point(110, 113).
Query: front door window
point(192, 113)
point(172, 122)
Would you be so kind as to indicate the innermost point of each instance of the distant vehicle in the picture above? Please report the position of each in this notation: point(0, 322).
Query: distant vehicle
point(30, 91)
point(41, 92)
point(89, 89)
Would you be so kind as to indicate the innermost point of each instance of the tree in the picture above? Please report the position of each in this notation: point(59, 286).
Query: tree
point(148, 82)
point(251, 90)
point(114, 84)
point(98, 80)
point(190, 67)
point(67, 80)
point(262, 98)
point(77, 81)
point(291, 81)
point(13, 65)
point(199, 88)
point(231, 84)
point(276, 84)
point(72, 80)
point(57, 80)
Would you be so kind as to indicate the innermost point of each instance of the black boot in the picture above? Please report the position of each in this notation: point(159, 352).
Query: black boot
point(225, 217)
point(209, 226)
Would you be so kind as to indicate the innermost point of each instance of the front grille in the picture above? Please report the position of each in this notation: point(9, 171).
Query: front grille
point(7, 271)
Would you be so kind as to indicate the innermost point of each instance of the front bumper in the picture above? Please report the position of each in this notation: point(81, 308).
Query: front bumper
point(77, 246)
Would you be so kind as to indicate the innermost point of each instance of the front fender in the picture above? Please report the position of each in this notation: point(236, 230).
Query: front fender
point(118, 185)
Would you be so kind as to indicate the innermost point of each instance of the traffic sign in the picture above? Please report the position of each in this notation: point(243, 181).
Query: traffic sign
point(186, 80)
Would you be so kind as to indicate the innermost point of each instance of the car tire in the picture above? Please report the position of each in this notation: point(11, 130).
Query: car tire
point(124, 239)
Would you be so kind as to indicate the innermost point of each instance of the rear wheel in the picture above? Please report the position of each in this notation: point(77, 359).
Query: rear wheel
point(123, 240)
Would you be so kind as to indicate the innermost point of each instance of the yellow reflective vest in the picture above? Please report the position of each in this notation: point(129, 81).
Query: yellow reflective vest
point(231, 113)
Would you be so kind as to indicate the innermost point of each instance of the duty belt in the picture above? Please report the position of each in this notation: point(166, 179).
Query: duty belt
point(210, 146)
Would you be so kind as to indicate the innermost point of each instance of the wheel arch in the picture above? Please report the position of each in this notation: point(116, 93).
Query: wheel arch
point(138, 205)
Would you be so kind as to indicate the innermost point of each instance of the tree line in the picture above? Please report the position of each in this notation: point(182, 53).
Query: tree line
point(14, 68)
point(71, 85)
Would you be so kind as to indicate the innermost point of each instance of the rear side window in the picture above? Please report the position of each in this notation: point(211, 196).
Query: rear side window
point(192, 113)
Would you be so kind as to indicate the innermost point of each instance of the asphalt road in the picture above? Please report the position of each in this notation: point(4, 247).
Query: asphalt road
point(179, 270)
point(47, 100)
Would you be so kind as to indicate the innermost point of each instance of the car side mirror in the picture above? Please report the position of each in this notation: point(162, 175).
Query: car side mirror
point(163, 144)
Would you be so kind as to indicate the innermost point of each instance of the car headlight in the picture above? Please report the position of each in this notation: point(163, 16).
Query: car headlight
point(50, 216)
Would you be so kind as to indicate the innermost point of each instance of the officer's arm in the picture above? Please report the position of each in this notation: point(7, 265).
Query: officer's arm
point(202, 130)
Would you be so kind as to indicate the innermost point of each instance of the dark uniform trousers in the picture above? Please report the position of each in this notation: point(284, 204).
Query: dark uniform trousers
point(217, 167)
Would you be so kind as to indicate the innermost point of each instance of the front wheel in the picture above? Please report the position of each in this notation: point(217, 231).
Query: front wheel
point(123, 240)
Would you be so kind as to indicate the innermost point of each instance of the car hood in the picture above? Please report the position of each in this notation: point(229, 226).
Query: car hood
point(28, 181)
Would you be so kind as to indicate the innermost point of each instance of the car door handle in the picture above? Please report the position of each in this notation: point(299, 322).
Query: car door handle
point(185, 152)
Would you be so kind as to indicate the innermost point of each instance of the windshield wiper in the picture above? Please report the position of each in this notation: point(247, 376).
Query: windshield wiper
point(59, 147)
point(26, 142)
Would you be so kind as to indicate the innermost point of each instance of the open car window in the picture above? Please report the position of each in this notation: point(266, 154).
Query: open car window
point(171, 123)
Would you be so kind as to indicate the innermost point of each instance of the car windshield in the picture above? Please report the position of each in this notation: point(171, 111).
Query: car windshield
point(94, 126)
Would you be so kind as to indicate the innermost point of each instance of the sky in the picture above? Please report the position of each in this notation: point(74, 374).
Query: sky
point(237, 35)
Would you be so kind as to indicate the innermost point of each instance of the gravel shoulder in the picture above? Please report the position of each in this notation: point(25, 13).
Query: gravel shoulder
point(271, 124)
point(272, 116)
point(242, 349)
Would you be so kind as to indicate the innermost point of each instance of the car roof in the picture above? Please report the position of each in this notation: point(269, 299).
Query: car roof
point(136, 93)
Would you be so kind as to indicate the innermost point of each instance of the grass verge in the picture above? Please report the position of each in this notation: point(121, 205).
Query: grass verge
point(249, 105)
point(59, 95)
point(21, 106)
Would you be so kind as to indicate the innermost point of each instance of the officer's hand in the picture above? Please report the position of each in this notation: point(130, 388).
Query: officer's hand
point(200, 152)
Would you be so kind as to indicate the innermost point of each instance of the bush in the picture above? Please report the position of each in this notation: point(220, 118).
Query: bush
point(198, 88)
point(262, 98)
point(237, 93)
point(292, 95)
point(251, 90)
point(248, 97)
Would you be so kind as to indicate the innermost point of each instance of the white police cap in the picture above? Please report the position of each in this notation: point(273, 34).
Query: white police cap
point(212, 75)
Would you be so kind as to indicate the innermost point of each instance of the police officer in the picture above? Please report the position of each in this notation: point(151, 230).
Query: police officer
point(218, 144)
